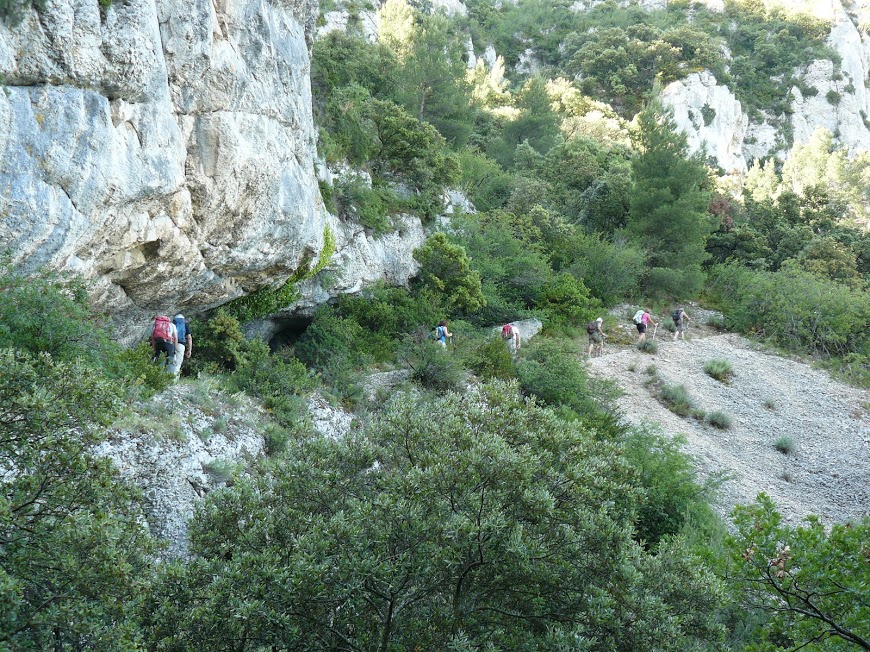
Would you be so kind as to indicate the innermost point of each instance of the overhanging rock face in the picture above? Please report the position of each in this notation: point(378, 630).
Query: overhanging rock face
point(164, 149)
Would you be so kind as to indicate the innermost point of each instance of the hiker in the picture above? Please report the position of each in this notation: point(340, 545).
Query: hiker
point(442, 333)
point(642, 319)
point(184, 347)
point(164, 337)
point(596, 336)
point(511, 335)
point(681, 323)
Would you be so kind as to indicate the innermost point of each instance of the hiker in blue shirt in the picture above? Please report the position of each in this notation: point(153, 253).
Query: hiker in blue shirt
point(442, 333)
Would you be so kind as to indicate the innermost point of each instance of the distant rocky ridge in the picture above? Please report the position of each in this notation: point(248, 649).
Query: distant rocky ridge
point(730, 137)
point(165, 151)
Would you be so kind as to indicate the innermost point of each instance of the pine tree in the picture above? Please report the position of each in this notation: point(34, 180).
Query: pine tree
point(668, 214)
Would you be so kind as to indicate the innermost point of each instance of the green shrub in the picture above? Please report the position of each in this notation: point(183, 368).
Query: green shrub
point(676, 398)
point(431, 365)
point(784, 445)
point(721, 370)
point(219, 345)
point(551, 371)
point(491, 359)
point(719, 419)
point(566, 300)
point(770, 404)
point(698, 414)
point(648, 346)
point(673, 492)
point(794, 309)
point(278, 380)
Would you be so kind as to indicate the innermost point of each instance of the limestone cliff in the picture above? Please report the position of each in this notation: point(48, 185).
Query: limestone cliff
point(165, 150)
point(838, 101)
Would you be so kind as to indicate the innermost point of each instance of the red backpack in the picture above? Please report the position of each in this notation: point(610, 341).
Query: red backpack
point(507, 331)
point(162, 328)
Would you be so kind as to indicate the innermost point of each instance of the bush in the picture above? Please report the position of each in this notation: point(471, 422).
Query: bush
point(551, 371)
point(492, 360)
point(431, 365)
point(278, 380)
point(674, 283)
point(784, 445)
point(719, 419)
point(721, 370)
point(219, 344)
point(670, 482)
point(794, 309)
point(648, 346)
point(676, 398)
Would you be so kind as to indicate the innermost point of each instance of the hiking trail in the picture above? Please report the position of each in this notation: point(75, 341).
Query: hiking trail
point(769, 397)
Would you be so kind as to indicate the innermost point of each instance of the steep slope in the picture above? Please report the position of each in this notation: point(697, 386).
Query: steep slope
point(769, 397)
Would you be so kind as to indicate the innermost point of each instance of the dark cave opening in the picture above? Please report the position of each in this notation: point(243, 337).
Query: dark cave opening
point(288, 330)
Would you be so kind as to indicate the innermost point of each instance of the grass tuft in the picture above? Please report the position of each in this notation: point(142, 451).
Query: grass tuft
point(719, 419)
point(648, 346)
point(719, 369)
point(676, 398)
point(784, 445)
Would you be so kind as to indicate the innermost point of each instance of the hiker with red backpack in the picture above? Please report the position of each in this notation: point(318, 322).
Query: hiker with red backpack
point(164, 337)
point(511, 335)
point(596, 336)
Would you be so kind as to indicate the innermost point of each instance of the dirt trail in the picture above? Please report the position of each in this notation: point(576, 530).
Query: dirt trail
point(769, 397)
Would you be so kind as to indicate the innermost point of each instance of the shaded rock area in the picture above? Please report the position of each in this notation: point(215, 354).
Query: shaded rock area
point(769, 397)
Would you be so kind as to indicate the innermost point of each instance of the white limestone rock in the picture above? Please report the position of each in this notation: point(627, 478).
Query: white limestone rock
point(164, 150)
point(179, 455)
point(842, 101)
point(711, 117)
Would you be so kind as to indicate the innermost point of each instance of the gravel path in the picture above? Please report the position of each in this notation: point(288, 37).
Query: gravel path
point(828, 472)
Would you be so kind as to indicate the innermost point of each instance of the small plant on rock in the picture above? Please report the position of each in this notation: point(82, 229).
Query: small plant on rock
point(721, 370)
point(719, 419)
point(770, 404)
point(784, 445)
point(648, 346)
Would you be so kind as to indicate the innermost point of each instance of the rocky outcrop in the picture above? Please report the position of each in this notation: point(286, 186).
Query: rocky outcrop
point(184, 443)
point(164, 150)
point(840, 101)
point(711, 117)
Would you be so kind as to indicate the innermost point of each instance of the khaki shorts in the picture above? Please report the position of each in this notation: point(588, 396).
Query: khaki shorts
point(679, 326)
point(595, 338)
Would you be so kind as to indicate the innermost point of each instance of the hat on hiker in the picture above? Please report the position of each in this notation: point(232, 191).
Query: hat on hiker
point(600, 319)
point(178, 317)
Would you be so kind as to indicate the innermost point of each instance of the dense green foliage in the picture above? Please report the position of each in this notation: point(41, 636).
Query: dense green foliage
point(669, 206)
point(452, 524)
point(74, 555)
point(813, 580)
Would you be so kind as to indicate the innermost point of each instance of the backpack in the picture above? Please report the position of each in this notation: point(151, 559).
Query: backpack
point(507, 331)
point(182, 329)
point(678, 314)
point(162, 328)
point(592, 327)
point(438, 333)
point(638, 316)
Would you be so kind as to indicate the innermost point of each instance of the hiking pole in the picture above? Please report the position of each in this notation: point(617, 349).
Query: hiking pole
point(654, 330)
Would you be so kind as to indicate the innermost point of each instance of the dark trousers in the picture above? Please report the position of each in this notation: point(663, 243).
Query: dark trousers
point(163, 346)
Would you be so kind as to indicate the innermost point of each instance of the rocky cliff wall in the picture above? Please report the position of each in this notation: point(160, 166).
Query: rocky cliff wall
point(839, 103)
point(165, 150)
